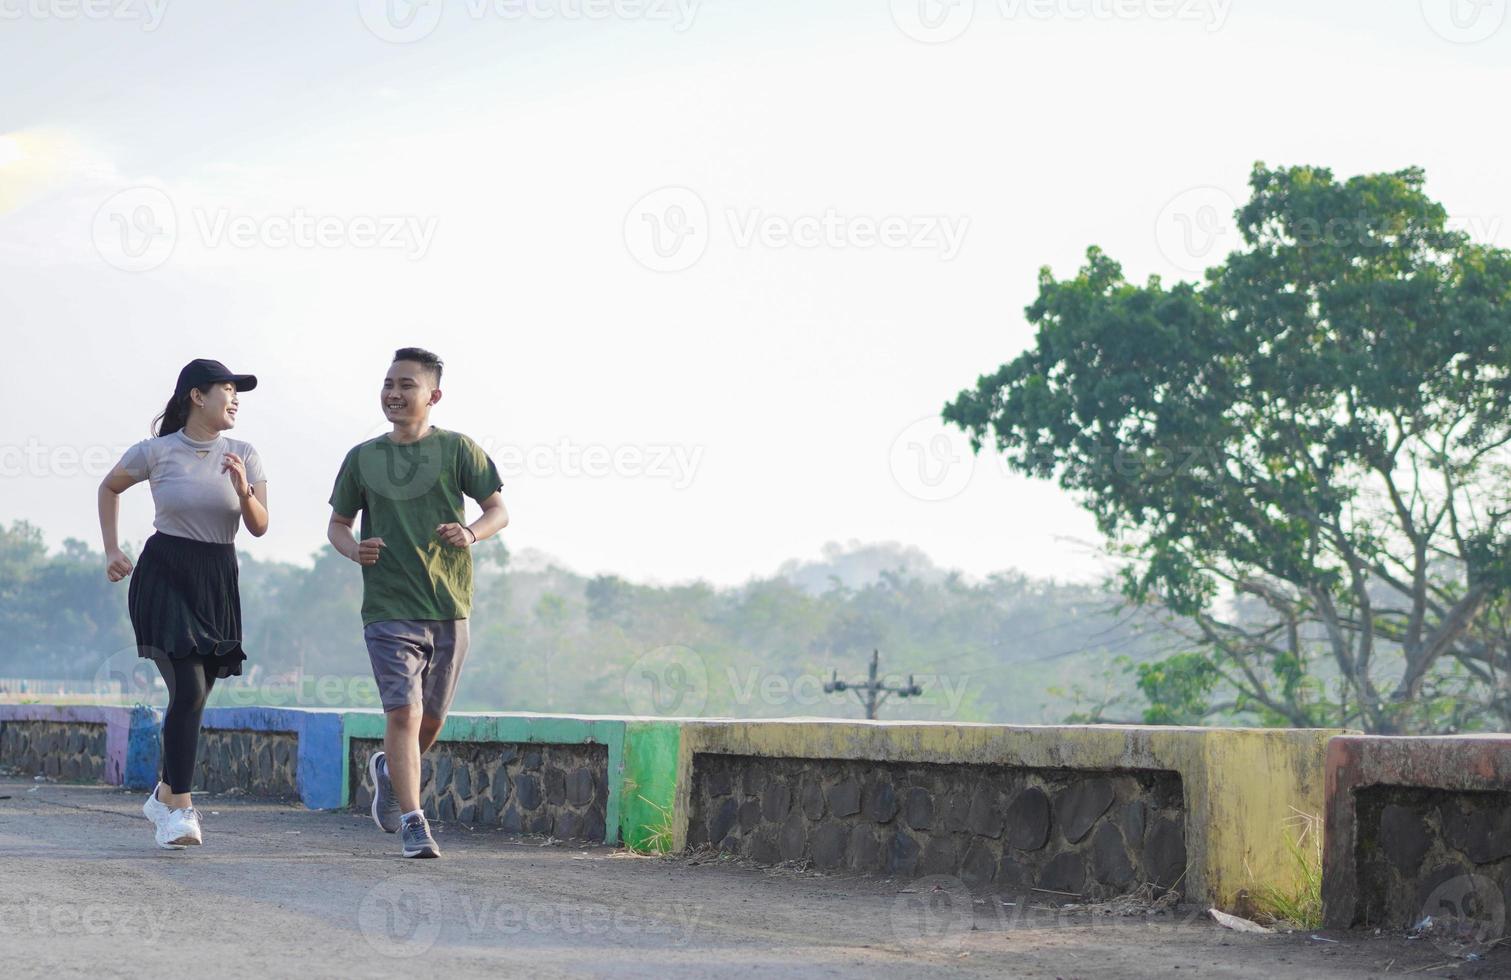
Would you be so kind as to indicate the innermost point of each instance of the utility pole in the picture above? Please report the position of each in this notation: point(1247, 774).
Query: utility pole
point(872, 693)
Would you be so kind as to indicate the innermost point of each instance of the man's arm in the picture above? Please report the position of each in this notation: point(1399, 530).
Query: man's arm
point(494, 519)
point(339, 533)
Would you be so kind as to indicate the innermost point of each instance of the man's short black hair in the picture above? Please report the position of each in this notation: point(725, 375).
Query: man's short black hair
point(424, 358)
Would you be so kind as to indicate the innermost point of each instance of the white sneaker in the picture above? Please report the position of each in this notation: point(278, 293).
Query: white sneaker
point(155, 809)
point(181, 827)
point(159, 813)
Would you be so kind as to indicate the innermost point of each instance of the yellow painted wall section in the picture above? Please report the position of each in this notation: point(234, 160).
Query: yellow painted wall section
point(1239, 784)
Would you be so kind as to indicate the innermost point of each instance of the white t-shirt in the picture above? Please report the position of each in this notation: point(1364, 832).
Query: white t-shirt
point(193, 497)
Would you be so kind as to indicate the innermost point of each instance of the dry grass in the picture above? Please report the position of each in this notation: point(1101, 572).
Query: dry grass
point(1299, 905)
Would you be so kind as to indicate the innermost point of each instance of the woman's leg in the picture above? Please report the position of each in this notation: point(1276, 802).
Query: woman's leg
point(189, 680)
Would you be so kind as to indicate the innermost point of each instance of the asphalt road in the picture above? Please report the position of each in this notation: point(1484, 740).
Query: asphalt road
point(281, 891)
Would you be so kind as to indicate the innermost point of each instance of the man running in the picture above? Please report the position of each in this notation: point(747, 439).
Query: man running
point(416, 575)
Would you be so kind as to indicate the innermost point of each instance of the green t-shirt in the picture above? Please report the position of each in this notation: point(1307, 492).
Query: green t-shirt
point(404, 492)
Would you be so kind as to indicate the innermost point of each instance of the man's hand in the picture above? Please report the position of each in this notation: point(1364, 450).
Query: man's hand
point(117, 565)
point(456, 535)
point(368, 550)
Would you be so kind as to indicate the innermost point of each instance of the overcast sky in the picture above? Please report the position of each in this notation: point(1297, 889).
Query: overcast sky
point(703, 273)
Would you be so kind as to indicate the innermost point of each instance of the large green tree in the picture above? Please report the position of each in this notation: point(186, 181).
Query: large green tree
point(1313, 428)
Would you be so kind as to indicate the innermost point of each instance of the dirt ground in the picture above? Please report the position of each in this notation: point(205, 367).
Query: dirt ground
point(278, 890)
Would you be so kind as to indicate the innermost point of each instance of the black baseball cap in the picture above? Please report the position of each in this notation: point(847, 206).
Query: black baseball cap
point(201, 373)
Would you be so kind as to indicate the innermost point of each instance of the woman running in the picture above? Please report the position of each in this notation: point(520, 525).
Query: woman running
point(184, 603)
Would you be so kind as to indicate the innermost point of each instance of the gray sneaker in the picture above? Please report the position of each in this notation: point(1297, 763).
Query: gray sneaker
point(417, 840)
point(385, 803)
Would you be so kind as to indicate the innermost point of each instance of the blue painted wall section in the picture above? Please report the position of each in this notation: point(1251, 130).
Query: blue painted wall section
point(143, 748)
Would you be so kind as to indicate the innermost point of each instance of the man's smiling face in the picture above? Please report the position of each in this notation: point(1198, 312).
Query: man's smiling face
point(408, 392)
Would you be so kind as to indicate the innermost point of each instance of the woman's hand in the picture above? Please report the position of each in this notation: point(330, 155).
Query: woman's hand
point(237, 470)
point(117, 565)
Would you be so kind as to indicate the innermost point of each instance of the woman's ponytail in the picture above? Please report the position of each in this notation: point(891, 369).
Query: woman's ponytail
point(173, 417)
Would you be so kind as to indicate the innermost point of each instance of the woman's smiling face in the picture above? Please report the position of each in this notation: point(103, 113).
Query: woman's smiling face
point(216, 407)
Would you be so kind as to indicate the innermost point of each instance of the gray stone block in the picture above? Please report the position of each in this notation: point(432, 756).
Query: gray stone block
point(1078, 807)
point(1165, 853)
point(1110, 864)
point(776, 801)
point(918, 808)
point(880, 802)
point(811, 797)
point(987, 814)
point(902, 854)
point(723, 820)
point(979, 865)
point(828, 845)
point(527, 791)
point(844, 798)
point(793, 838)
point(1403, 838)
point(556, 785)
point(1028, 820)
point(580, 786)
point(1065, 872)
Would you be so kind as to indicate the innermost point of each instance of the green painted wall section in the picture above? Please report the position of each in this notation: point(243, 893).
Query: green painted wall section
point(649, 784)
point(547, 729)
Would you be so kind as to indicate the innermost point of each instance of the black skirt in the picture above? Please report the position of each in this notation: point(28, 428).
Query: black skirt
point(184, 602)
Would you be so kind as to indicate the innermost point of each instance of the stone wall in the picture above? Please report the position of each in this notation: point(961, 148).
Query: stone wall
point(73, 752)
point(1093, 834)
point(1431, 852)
point(529, 788)
point(260, 764)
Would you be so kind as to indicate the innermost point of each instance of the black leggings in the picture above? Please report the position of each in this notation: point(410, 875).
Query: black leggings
point(189, 680)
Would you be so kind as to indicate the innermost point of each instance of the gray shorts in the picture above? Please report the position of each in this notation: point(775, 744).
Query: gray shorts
point(417, 661)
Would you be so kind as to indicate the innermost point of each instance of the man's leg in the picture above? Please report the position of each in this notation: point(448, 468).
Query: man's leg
point(401, 743)
point(430, 730)
point(449, 640)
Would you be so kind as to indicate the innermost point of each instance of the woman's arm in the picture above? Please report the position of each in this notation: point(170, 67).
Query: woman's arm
point(253, 497)
point(117, 565)
point(254, 510)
